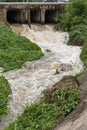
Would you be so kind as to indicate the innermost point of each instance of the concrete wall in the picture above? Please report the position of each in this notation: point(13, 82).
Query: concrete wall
point(30, 14)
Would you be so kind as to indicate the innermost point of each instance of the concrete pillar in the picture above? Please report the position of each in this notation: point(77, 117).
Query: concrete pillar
point(28, 17)
point(3, 16)
point(23, 16)
point(20, 18)
point(42, 16)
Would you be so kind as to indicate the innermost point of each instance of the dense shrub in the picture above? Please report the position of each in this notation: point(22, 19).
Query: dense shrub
point(74, 20)
point(84, 54)
point(66, 97)
point(4, 92)
point(15, 50)
point(77, 34)
point(75, 14)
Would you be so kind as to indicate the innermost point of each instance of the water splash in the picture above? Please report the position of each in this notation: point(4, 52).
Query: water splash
point(28, 82)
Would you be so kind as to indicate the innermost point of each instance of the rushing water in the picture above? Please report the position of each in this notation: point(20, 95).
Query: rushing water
point(28, 82)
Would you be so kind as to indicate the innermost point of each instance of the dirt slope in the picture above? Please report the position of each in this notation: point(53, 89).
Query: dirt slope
point(77, 120)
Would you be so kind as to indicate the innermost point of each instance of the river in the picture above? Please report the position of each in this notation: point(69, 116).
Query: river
point(28, 82)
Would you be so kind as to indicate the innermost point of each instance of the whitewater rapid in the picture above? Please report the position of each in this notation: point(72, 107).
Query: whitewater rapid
point(28, 82)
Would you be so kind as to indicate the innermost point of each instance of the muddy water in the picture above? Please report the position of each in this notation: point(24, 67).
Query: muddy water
point(28, 82)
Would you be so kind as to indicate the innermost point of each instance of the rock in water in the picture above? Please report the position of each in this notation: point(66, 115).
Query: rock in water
point(65, 67)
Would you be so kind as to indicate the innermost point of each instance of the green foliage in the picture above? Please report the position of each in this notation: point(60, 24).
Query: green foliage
point(75, 14)
point(4, 92)
point(84, 54)
point(79, 74)
point(77, 34)
point(74, 20)
point(67, 98)
point(15, 50)
point(44, 115)
point(39, 116)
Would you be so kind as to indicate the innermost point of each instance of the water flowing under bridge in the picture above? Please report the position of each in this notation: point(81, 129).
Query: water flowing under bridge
point(31, 12)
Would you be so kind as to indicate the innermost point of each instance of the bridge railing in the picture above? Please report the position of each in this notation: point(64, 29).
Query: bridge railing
point(33, 1)
point(37, 2)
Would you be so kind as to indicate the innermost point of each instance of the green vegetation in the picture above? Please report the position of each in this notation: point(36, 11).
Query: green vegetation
point(44, 114)
point(74, 20)
point(15, 50)
point(75, 14)
point(84, 53)
point(4, 92)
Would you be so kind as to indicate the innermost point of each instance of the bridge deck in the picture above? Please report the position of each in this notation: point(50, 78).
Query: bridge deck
point(33, 3)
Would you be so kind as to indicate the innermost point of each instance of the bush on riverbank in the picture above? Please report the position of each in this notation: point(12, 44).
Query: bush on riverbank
point(78, 34)
point(84, 54)
point(4, 92)
point(44, 114)
point(15, 50)
point(74, 20)
point(75, 14)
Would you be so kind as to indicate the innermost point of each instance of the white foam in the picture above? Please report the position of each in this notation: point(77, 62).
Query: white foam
point(28, 82)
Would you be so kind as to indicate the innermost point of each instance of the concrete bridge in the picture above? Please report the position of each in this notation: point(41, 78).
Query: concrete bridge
point(31, 12)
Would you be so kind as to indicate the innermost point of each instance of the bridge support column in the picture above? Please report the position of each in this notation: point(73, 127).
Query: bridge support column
point(42, 16)
point(28, 17)
point(3, 18)
point(23, 18)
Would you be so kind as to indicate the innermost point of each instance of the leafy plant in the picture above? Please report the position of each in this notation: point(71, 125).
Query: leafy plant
point(74, 14)
point(67, 98)
point(15, 50)
point(84, 54)
point(74, 20)
point(4, 92)
point(77, 35)
point(43, 115)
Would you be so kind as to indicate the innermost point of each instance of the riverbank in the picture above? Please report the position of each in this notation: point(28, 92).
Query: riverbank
point(14, 51)
point(28, 82)
point(77, 120)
